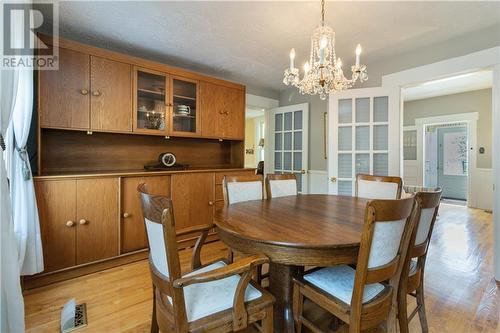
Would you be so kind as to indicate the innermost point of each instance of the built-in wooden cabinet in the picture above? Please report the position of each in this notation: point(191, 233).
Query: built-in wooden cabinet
point(87, 93)
point(111, 95)
point(78, 219)
point(103, 91)
point(151, 101)
point(193, 198)
point(185, 115)
point(224, 115)
point(64, 94)
point(133, 234)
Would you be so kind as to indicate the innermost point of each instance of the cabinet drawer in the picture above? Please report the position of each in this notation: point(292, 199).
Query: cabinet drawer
point(220, 175)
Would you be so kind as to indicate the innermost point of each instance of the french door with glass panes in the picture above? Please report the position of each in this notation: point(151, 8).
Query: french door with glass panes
point(359, 137)
point(287, 149)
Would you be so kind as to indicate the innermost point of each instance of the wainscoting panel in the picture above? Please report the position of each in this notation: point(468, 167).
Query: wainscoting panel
point(481, 195)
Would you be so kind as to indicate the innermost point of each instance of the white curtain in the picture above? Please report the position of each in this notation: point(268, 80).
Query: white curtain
point(22, 192)
point(12, 304)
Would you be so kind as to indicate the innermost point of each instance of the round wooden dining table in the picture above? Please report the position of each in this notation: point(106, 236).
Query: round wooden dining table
point(294, 231)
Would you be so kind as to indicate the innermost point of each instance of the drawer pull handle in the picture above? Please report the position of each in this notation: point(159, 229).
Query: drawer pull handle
point(70, 223)
point(84, 92)
point(96, 93)
point(210, 203)
point(83, 221)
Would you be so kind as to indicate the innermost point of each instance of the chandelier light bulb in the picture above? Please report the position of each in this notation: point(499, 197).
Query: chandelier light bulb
point(358, 53)
point(306, 67)
point(323, 42)
point(339, 63)
point(292, 58)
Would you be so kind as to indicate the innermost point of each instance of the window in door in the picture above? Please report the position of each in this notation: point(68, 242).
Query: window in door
point(362, 140)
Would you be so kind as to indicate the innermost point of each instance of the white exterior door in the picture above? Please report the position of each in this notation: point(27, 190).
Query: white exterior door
point(288, 142)
point(359, 137)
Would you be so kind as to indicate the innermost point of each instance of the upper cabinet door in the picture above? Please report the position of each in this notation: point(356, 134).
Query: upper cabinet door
point(185, 116)
point(151, 97)
point(111, 95)
point(223, 111)
point(234, 115)
point(65, 93)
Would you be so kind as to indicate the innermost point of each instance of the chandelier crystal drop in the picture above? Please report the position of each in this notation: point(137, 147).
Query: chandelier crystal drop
point(323, 72)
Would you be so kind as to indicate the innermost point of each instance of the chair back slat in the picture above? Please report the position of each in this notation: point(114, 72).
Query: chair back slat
point(242, 188)
point(281, 185)
point(378, 187)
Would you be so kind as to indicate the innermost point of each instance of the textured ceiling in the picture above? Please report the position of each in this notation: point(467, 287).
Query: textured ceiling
point(249, 42)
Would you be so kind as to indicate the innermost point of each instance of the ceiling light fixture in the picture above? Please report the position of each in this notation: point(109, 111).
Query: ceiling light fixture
point(323, 72)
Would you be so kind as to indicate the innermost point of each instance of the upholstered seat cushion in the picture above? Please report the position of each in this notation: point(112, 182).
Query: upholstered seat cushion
point(338, 281)
point(204, 299)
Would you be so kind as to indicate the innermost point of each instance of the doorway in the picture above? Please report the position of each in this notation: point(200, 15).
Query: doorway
point(254, 136)
point(446, 159)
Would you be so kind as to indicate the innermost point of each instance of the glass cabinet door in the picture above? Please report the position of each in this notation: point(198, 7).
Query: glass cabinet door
point(150, 104)
point(185, 115)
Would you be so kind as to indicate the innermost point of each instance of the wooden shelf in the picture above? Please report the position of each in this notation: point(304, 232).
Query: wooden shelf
point(152, 92)
point(184, 116)
point(185, 97)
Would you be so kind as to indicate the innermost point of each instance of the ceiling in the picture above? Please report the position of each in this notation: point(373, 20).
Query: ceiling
point(249, 42)
point(450, 85)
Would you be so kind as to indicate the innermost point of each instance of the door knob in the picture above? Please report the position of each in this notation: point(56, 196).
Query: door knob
point(84, 91)
point(83, 221)
point(303, 171)
point(333, 179)
point(125, 215)
point(70, 223)
point(96, 93)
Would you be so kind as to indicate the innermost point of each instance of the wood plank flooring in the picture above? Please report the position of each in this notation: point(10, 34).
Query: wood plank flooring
point(461, 293)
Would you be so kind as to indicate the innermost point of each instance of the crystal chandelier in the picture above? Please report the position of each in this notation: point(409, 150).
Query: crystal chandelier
point(323, 72)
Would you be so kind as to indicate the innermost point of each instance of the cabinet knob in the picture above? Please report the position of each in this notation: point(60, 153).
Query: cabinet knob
point(226, 113)
point(83, 221)
point(210, 203)
point(84, 91)
point(125, 215)
point(70, 223)
point(96, 93)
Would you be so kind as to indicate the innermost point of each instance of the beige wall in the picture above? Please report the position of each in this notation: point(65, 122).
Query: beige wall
point(250, 142)
point(472, 101)
point(317, 108)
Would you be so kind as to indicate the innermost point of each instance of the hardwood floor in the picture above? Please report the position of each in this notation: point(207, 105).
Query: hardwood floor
point(461, 293)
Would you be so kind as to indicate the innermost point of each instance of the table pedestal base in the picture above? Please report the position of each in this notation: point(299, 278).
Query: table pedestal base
point(281, 286)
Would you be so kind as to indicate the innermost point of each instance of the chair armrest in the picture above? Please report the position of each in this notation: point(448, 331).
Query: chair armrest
point(203, 229)
point(194, 229)
point(241, 266)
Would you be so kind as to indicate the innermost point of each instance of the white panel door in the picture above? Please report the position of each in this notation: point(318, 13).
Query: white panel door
point(287, 142)
point(359, 137)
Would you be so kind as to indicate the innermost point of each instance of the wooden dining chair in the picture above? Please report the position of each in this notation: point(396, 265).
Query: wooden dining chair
point(218, 297)
point(362, 297)
point(378, 187)
point(281, 185)
point(412, 276)
point(239, 189)
point(242, 188)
